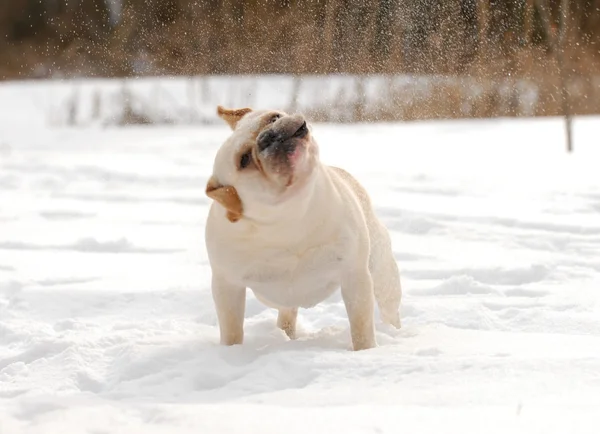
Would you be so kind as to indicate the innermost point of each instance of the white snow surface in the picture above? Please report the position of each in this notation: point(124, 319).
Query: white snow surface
point(107, 323)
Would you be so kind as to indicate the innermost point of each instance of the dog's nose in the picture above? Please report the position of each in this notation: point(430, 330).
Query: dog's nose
point(302, 131)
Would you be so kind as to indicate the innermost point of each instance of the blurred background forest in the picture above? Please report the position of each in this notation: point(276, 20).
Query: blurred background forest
point(508, 49)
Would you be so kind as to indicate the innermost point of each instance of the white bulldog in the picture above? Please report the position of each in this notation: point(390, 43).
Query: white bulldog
point(293, 230)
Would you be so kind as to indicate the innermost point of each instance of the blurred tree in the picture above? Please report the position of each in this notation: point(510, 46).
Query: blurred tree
point(136, 37)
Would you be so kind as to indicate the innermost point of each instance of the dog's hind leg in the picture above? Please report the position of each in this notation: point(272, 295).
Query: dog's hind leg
point(388, 293)
point(286, 321)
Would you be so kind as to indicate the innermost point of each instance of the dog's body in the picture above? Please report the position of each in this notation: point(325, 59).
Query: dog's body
point(296, 233)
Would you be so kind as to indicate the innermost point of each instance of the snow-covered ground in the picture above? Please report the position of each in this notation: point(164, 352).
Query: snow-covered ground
point(107, 323)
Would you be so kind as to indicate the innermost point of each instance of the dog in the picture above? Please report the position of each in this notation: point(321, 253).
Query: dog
point(293, 230)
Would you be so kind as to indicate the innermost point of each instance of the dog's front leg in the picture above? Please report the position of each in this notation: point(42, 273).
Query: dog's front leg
point(357, 292)
point(230, 303)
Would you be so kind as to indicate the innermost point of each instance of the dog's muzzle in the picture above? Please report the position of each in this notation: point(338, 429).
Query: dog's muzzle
point(280, 137)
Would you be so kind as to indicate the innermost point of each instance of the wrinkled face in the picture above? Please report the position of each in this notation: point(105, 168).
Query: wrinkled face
point(268, 159)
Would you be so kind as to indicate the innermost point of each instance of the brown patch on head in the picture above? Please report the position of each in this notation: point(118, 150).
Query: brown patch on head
point(232, 116)
point(227, 196)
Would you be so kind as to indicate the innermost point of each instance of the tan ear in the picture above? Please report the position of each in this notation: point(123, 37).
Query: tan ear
point(232, 116)
point(227, 196)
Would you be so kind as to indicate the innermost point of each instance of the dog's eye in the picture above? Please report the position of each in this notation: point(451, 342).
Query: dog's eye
point(274, 118)
point(245, 160)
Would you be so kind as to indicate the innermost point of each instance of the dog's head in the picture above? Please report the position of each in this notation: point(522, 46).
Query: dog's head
point(268, 158)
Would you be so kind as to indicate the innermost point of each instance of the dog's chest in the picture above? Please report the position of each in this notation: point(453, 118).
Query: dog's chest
point(288, 278)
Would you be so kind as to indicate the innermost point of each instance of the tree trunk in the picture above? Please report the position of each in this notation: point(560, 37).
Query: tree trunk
point(528, 22)
point(564, 75)
point(483, 19)
point(331, 16)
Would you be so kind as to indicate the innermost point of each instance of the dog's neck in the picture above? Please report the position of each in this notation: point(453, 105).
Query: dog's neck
point(296, 215)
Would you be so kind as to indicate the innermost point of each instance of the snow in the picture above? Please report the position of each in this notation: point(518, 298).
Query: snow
point(107, 323)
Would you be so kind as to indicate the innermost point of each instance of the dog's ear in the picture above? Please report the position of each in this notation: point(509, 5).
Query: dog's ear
point(232, 116)
point(227, 196)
